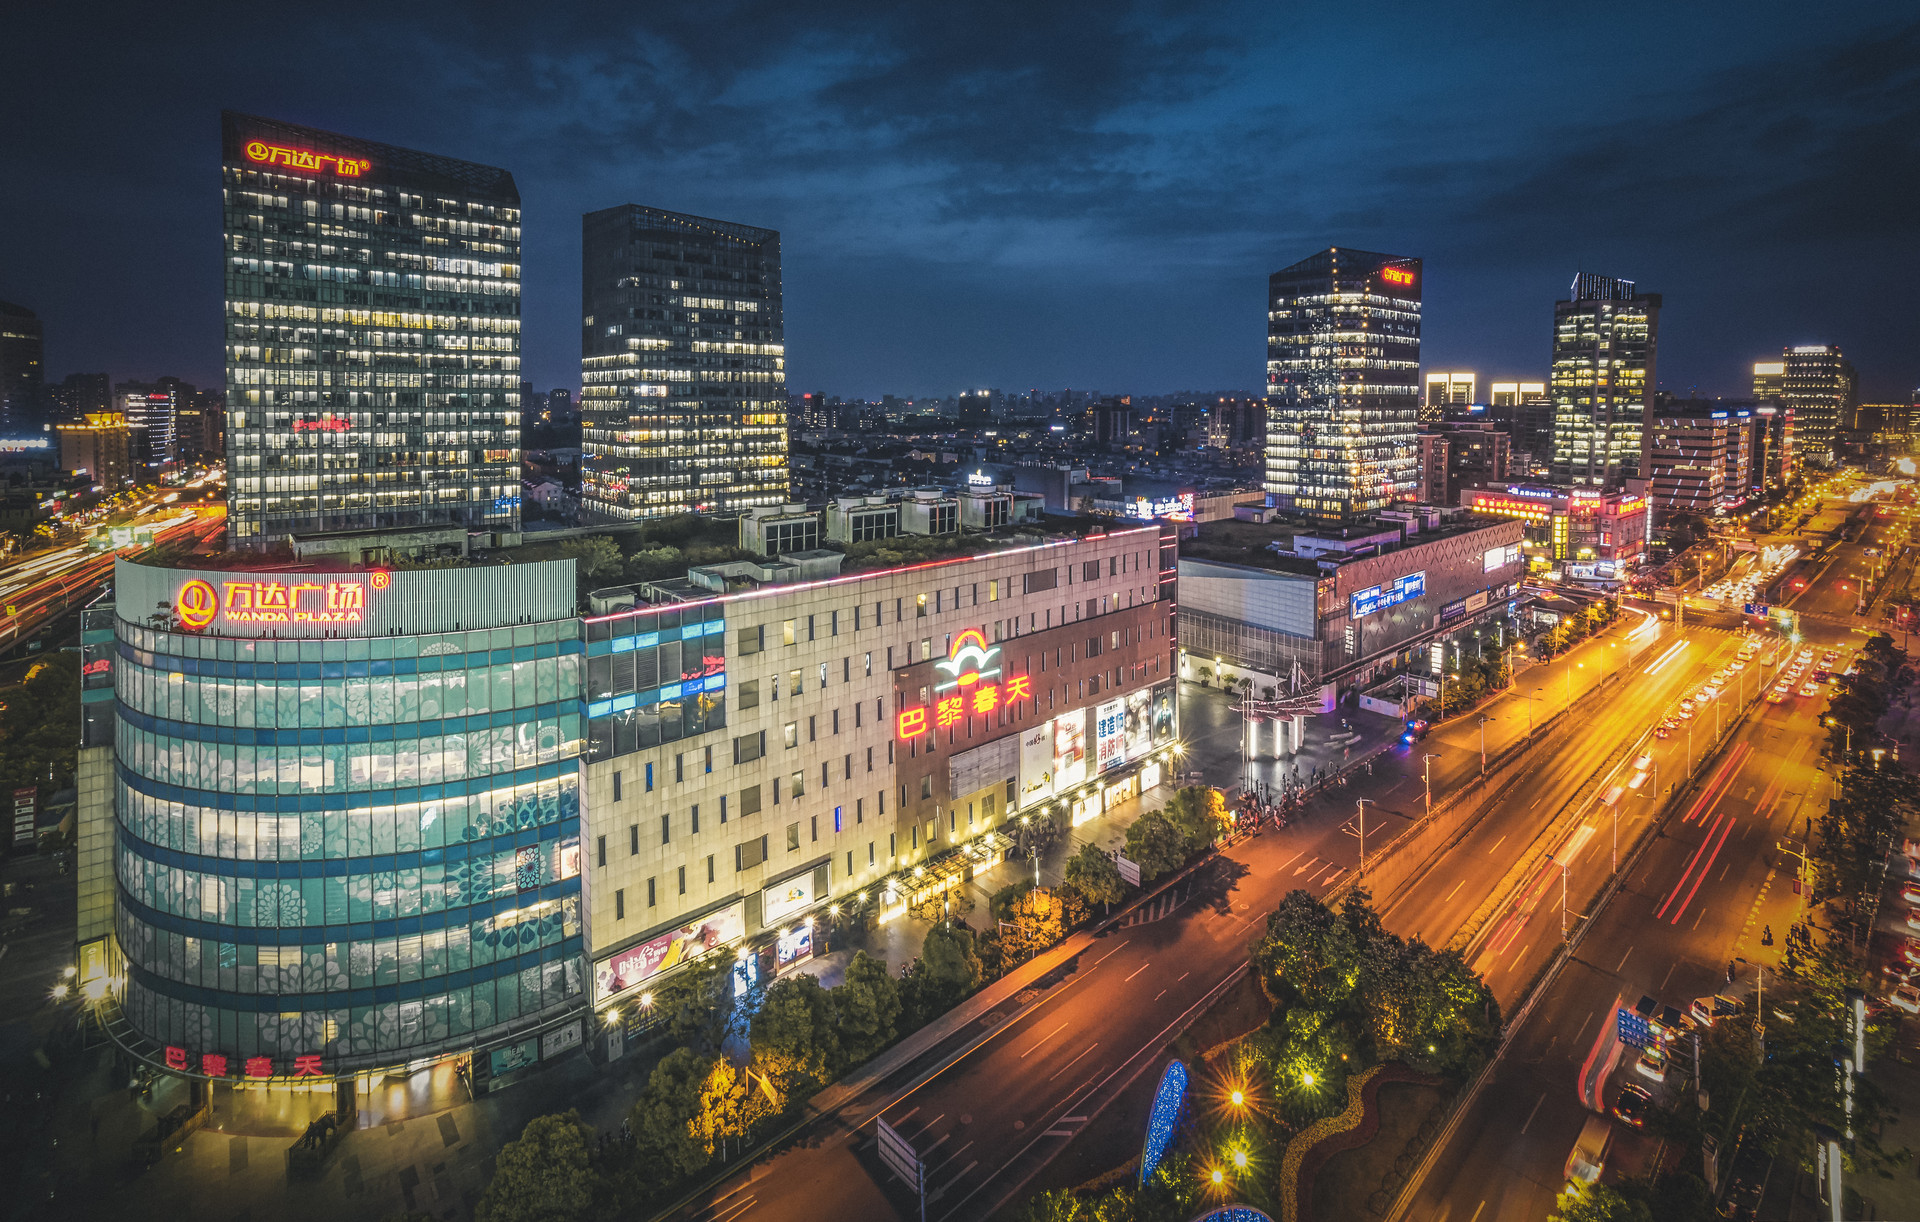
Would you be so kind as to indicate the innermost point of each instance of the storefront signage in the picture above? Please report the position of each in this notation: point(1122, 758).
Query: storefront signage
point(1397, 275)
point(792, 946)
point(1499, 557)
point(197, 603)
point(969, 662)
point(1069, 750)
point(305, 159)
point(783, 899)
point(1110, 734)
point(1453, 610)
point(1179, 508)
point(1379, 598)
point(638, 964)
point(560, 1040)
point(220, 1065)
point(514, 1056)
point(19, 445)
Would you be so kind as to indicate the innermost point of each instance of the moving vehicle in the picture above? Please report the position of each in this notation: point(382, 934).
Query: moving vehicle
point(1906, 997)
point(1631, 1105)
point(1911, 894)
point(1589, 1156)
point(1653, 1063)
point(1809, 689)
point(1707, 1011)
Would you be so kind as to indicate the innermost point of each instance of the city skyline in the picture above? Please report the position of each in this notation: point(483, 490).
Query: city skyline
point(999, 206)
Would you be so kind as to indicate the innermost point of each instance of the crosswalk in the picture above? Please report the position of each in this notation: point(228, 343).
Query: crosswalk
point(1159, 908)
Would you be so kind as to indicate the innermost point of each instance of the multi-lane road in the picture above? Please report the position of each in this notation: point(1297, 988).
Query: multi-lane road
point(1051, 1058)
point(1699, 899)
point(44, 584)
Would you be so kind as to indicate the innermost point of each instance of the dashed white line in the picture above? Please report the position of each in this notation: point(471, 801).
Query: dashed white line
point(1136, 971)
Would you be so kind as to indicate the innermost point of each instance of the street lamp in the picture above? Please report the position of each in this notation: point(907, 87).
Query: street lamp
point(1362, 804)
point(1427, 769)
point(1483, 744)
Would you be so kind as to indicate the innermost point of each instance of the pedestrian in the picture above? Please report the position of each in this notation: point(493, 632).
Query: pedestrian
point(1766, 937)
point(1729, 971)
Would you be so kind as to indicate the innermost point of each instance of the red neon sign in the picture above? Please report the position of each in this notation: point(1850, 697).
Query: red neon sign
point(1396, 275)
point(970, 660)
point(326, 424)
point(305, 159)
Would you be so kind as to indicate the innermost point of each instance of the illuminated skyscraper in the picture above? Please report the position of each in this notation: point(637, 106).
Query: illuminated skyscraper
point(1343, 369)
point(1604, 342)
point(1818, 384)
point(682, 365)
point(373, 336)
point(1446, 390)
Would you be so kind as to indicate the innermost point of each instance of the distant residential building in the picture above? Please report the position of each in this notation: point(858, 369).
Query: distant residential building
point(200, 427)
point(683, 365)
point(978, 407)
point(1818, 384)
point(1769, 381)
point(1233, 422)
point(1113, 421)
point(1433, 468)
point(101, 446)
point(80, 395)
point(1605, 342)
point(1476, 455)
point(22, 367)
point(1526, 411)
point(1343, 363)
point(1446, 390)
point(1774, 434)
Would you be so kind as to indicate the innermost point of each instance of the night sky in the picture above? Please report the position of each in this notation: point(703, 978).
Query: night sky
point(1030, 194)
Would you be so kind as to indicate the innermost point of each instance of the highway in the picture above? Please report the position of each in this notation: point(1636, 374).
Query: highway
point(1054, 1057)
point(1699, 898)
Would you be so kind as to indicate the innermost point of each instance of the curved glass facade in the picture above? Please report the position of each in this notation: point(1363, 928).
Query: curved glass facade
point(365, 850)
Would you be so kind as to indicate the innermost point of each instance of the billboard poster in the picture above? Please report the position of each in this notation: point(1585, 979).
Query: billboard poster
point(638, 964)
point(1036, 764)
point(1379, 598)
point(1139, 715)
point(785, 898)
point(1162, 713)
point(513, 1056)
point(1069, 750)
point(1110, 734)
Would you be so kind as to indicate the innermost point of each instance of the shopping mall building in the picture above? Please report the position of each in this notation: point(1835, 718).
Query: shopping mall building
point(339, 823)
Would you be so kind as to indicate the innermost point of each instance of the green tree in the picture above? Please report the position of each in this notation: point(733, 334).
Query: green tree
point(948, 969)
point(1155, 845)
point(1199, 813)
point(594, 555)
point(1092, 873)
point(1057, 1205)
point(1308, 956)
point(543, 1175)
point(699, 1006)
point(663, 1114)
point(795, 1040)
point(866, 1007)
point(1598, 1203)
point(732, 1101)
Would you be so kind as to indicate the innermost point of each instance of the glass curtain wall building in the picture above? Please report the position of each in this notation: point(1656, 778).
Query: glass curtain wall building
point(1604, 343)
point(348, 814)
point(1343, 384)
point(373, 335)
point(1817, 384)
point(682, 364)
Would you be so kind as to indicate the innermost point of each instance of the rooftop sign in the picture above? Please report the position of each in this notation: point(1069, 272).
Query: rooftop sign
point(305, 160)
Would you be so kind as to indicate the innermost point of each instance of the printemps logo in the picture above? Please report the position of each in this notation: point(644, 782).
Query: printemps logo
point(962, 691)
point(197, 603)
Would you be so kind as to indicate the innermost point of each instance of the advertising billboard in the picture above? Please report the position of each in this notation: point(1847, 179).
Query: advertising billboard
point(1110, 734)
point(1162, 713)
point(1379, 598)
point(1139, 719)
point(1036, 764)
point(639, 964)
point(1499, 557)
point(1069, 750)
point(785, 898)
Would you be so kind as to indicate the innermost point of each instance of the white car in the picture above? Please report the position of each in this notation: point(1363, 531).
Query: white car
point(1653, 1063)
point(1907, 998)
point(1736, 666)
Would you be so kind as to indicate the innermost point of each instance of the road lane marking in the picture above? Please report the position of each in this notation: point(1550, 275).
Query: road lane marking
point(1455, 891)
point(1136, 971)
point(1183, 976)
point(1070, 1064)
point(956, 1154)
point(907, 1117)
point(1160, 994)
point(1533, 1113)
point(1703, 872)
point(1110, 954)
point(1476, 1212)
point(1669, 975)
point(1583, 1026)
point(1043, 1039)
point(1303, 869)
point(1289, 861)
point(1698, 915)
point(1496, 845)
point(1623, 961)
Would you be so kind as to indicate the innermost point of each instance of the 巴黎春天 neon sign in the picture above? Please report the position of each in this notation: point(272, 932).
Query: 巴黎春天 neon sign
point(970, 661)
point(305, 159)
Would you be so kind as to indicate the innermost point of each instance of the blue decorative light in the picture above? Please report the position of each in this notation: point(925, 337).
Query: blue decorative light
point(1169, 1105)
point(1233, 1213)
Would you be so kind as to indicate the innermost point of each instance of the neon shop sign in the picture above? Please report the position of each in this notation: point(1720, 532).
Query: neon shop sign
point(220, 1065)
point(305, 160)
point(198, 603)
point(963, 687)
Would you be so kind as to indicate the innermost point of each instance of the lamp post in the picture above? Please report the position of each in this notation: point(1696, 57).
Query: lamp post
point(1483, 744)
point(1563, 901)
point(1362, 804)
point(1427, 769)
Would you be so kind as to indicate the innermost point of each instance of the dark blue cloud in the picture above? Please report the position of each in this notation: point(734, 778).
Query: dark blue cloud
point(1033, 193)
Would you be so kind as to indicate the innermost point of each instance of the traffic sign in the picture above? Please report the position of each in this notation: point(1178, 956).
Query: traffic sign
point(899, 1156)
point(1635, 1029)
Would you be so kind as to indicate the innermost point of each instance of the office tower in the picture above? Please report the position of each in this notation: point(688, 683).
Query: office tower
point(1343, 363)
point(101, 446)
point(1687, 456)
point(80, 395)
point(980, 407)
point(199, 435)
point(373, 336)
point(149, 408)
point(1769, 381)
point(559, 405)
point(683, 364)
point(1818, 384)
point(1605, 339)
point(22, 367)
point(1446, 390)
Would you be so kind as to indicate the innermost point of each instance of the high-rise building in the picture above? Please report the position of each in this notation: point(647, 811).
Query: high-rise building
point(373, 336)
point(1773, 437)
point(102, 446)
point(1235, 421)
point(81, 395)
point(1446, 390)
point(22, 367)
point(1343, 367)
point(199, 435)
point(1687, 457)
point(1769, 381)
point(980, 407)
point(1605, 338)
point(150, 409)
point(1817, 382)
point(683, 364)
